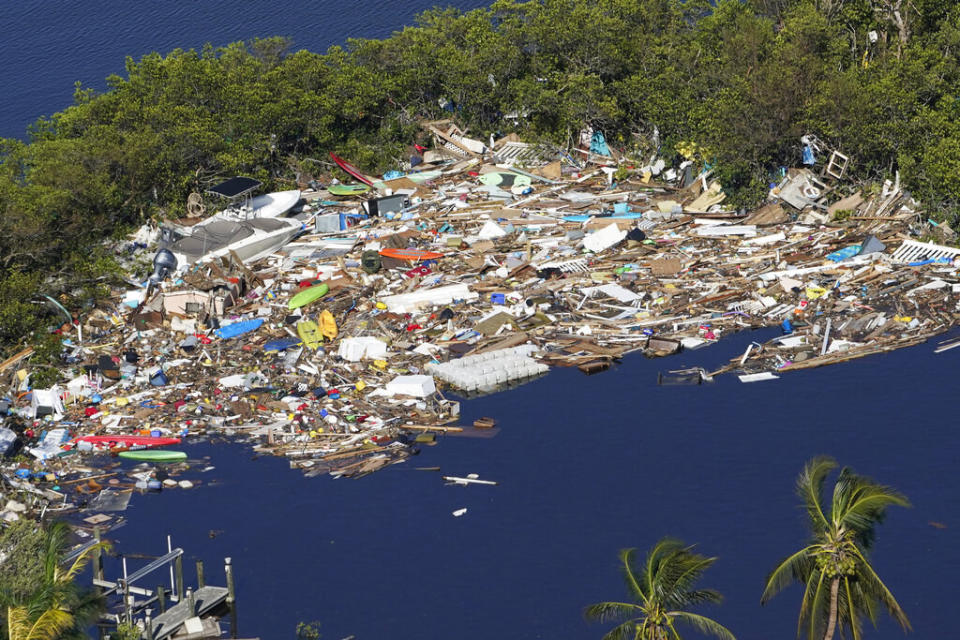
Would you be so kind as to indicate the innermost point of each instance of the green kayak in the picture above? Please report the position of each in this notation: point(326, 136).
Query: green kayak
point(348, 189)
point(307, 296)
point(154, 455)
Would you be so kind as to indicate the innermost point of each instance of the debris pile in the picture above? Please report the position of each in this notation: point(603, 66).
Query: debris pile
point(478, 268)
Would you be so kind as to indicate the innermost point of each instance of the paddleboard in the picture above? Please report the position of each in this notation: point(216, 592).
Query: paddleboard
point(153, 455)
point(410, 255)
point(348, 189)
point(349, 168)
point(307, 296)
point(309, 332)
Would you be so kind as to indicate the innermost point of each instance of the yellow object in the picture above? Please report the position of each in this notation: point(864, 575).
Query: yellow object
point(328, 326)
point(361, 385)
point(310, 333)
point(903, 319)
point(815, 292)
point(380, 364)
point(381, 305)
point(122, 401)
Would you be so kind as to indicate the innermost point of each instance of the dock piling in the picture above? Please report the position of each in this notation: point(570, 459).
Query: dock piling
point(231, 596)
point(200, 582)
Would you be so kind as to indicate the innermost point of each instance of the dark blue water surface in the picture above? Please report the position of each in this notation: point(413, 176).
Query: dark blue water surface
point(587, 466)
point(48, 45)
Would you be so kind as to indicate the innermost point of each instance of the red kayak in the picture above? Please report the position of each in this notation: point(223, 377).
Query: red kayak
point(128, 442)
point(349, 168)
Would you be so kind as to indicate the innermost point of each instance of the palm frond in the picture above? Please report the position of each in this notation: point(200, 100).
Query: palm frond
point(607, 611)
point(793, 567)
point(819, 608)
point(50, 625)
point(874, 587)
point(703, 624)
point(866, 507)
point(633, 586)
point(623, 631)
point(805, 604)
point(684, 570)
point(700, 596)
point(18, 623)
point(810, 489)
point(81, 562)
point(851, 615)
point(658, 573)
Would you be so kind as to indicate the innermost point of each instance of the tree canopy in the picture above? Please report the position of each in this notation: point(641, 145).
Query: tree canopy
point(737, 81)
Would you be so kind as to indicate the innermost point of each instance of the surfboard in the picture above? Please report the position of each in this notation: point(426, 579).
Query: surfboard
point(410, 255)
point(307, 296)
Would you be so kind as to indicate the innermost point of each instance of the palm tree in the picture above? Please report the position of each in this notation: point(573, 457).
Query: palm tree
point(661, 588)
point(57, 605)
point(840, 586)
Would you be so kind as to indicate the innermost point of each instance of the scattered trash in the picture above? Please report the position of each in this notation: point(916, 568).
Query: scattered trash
point(338, 326)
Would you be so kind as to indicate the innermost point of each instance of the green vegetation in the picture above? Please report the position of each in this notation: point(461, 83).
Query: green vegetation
point(661, 588)
point(39, 599)
point(840, 586)
point(733, 83)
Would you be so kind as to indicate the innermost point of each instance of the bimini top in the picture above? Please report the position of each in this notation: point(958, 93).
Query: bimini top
point(234, 187)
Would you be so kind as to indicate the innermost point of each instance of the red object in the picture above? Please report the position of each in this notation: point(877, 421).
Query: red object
point(90, 411)
point(349, 168)
point(418, 271)
point(413, 327)
point(410, 255)
point(128, 441)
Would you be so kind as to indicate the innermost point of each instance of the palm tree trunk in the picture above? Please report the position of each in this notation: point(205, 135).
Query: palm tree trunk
point(832, 621)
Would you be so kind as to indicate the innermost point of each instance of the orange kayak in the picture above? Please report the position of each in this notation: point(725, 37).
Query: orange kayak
point(410, 255)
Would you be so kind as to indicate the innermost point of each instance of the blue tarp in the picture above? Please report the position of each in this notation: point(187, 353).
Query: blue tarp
point(598, 144)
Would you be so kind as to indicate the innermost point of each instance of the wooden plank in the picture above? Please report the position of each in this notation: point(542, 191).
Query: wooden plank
point(9, 362)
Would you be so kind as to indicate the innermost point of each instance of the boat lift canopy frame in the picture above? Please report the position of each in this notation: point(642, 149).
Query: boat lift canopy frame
point(234, 188)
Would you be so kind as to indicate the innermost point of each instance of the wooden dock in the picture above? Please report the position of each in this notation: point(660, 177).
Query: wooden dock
point(204, 600)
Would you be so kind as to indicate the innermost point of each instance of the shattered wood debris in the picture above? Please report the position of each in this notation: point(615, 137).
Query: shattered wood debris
point(463, 276)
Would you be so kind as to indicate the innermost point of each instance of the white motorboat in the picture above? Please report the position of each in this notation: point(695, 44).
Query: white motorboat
point(249, 239)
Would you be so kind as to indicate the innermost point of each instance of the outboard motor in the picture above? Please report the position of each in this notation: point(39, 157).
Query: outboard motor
point(164, 263)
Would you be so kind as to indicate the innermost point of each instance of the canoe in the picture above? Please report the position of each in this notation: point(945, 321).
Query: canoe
point(128, 441)
point(348, 189)
point(309, 332)
point(307, 296)
point(153, 455)
point(410, 255)
point(349, 168)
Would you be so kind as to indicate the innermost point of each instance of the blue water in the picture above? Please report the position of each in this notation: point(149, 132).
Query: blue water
point(48, 45)
point(587, 466)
